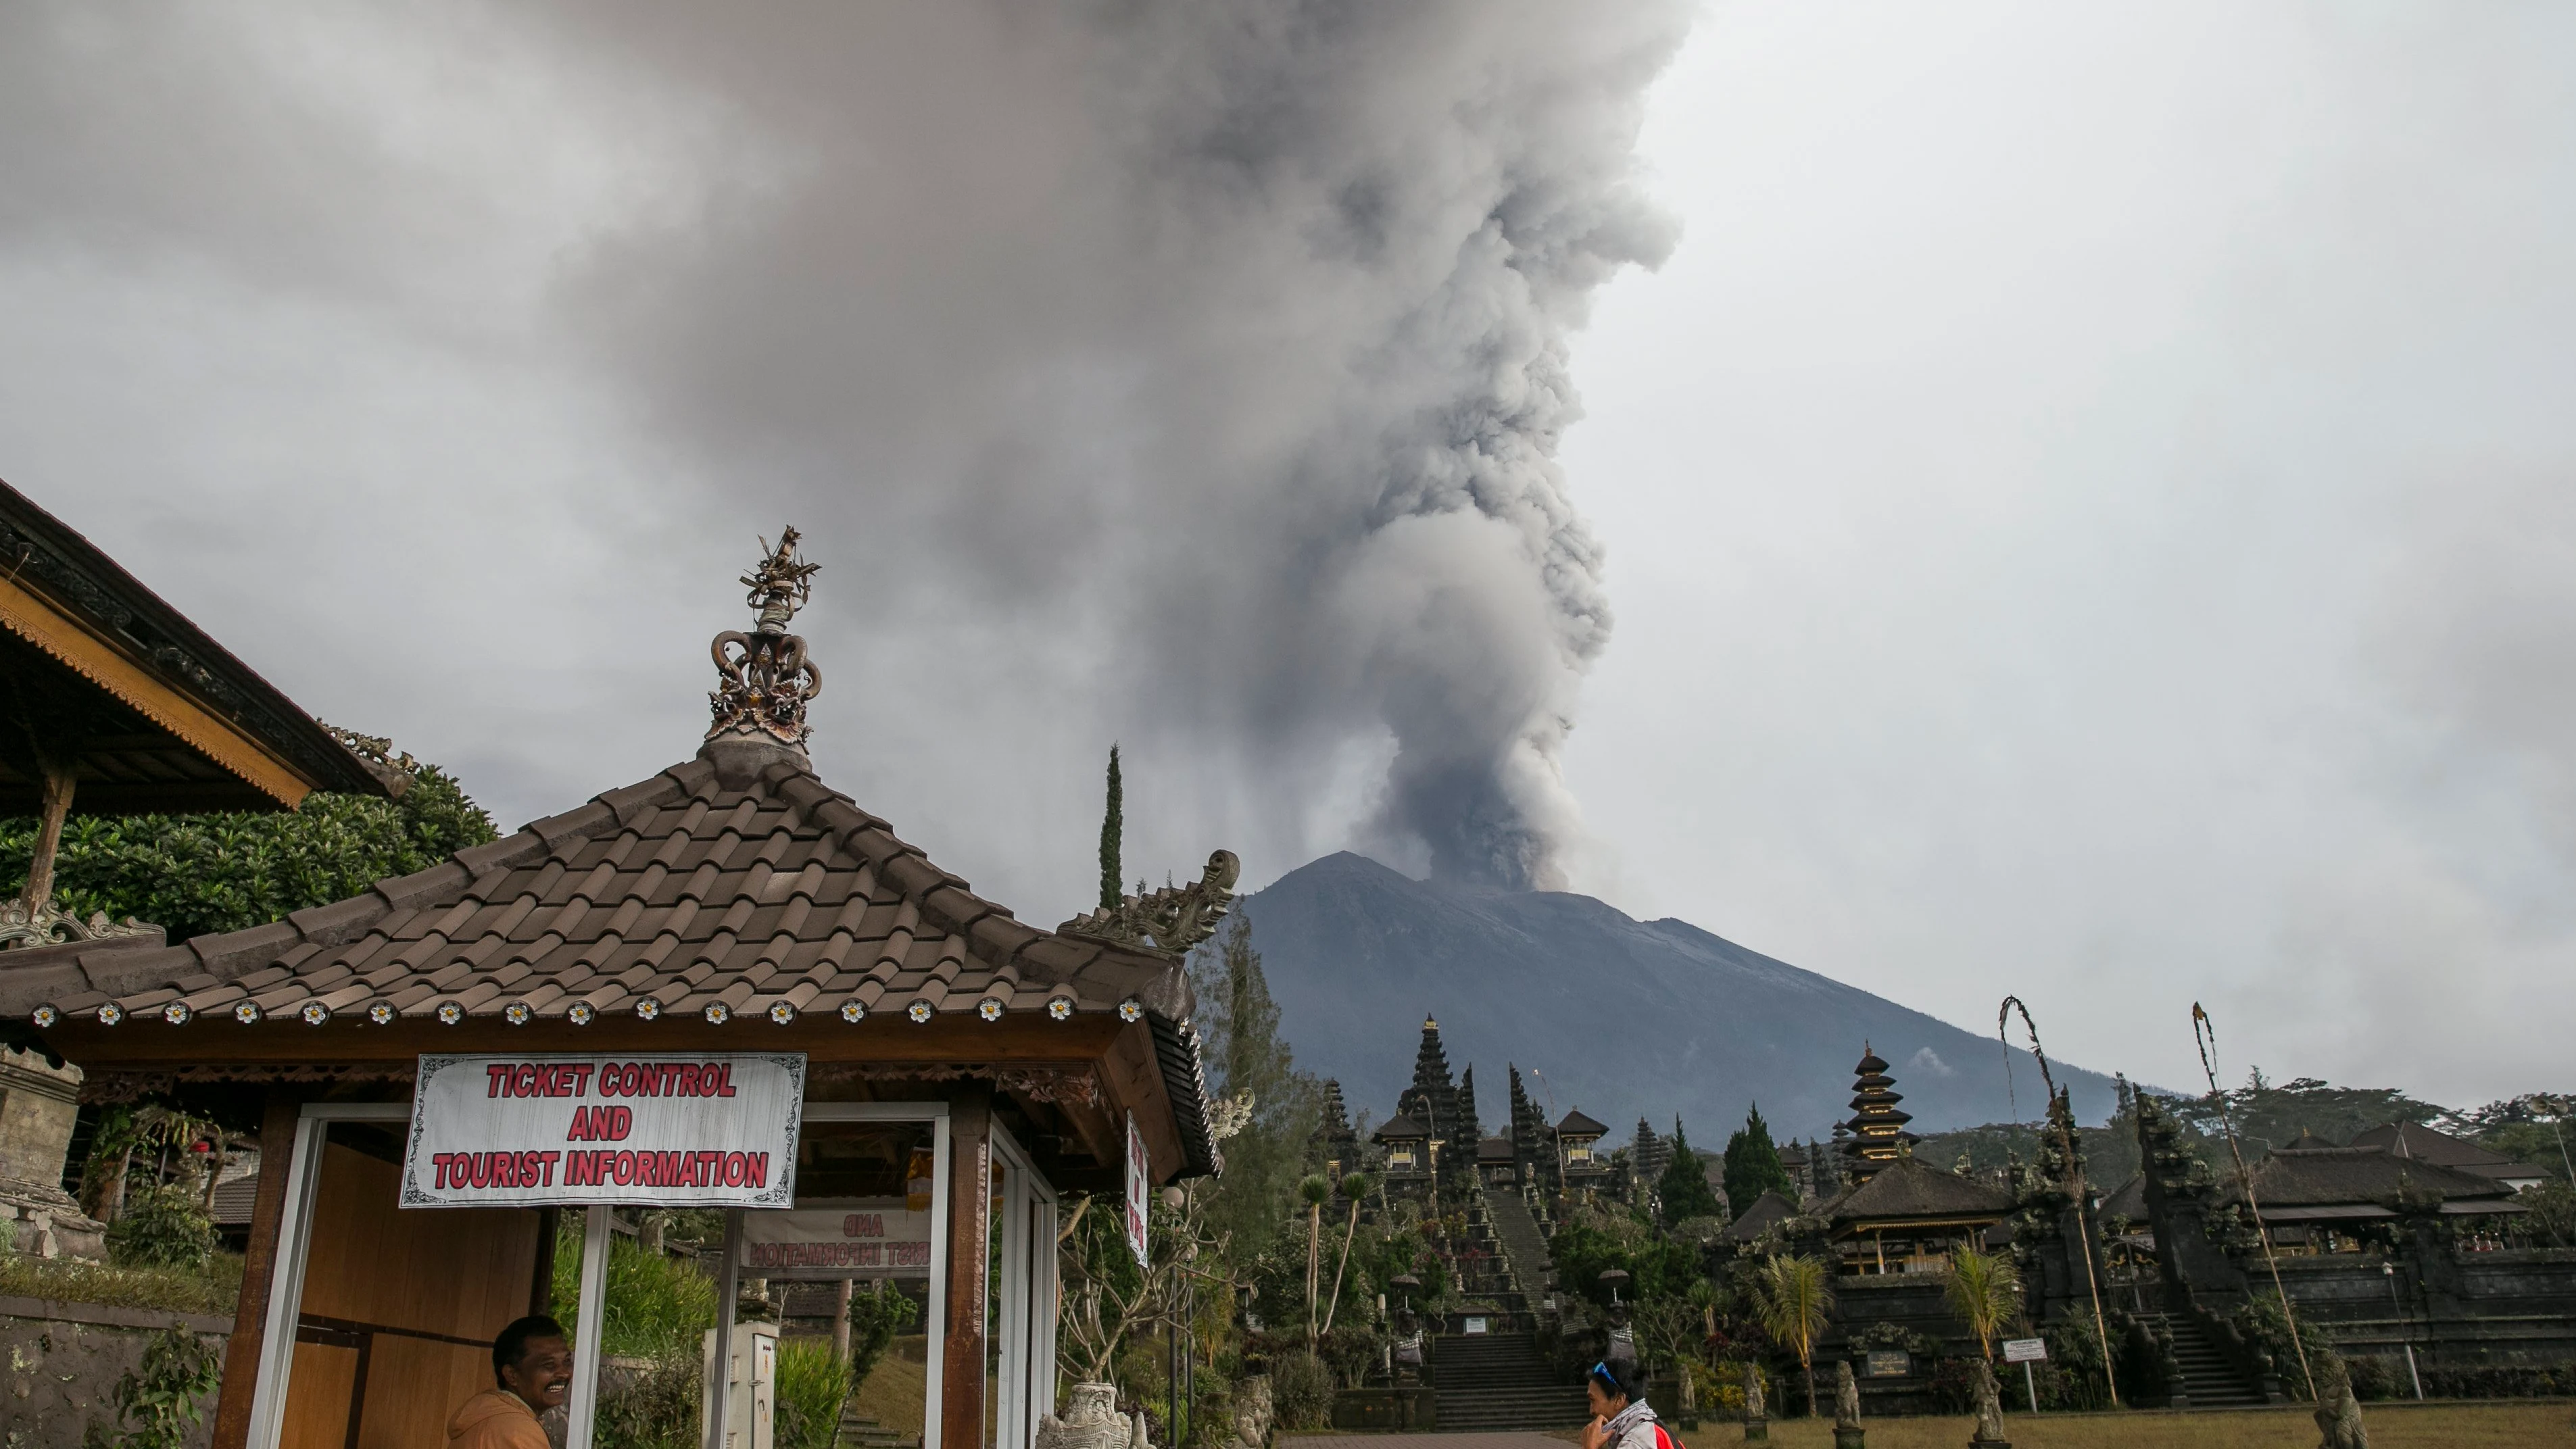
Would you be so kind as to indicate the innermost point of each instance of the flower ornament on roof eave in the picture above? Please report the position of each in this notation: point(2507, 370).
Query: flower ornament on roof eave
point(768, 680)
point(1167, 922)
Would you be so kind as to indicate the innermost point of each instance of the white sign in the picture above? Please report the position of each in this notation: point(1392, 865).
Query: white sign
point(669, 1131)
point(2025, 1350)
point(834, 1238)
point(1475, 1325)
point(1138, 1184)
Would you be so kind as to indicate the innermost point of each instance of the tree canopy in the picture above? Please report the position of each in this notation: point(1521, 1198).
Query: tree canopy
point(1113, 825)
point(1753, 1164)
point(1684, 1190)
point(1239, 1027)
point(195, 874)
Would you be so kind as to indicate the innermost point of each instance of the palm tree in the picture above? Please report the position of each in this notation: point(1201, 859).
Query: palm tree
point(1315, 1190)
point(1796, 1300)
point(1983, 1290)
point(1355, 1186)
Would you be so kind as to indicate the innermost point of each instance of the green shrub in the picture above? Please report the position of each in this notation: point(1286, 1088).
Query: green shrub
point(877, 1314)
point(811, 1386)
point(157, 1401)
point(2374, 1378)
point(193, 874)
point(1301, 1391)
point(658, 1408)
point(166, 1227)
point(657, 1306)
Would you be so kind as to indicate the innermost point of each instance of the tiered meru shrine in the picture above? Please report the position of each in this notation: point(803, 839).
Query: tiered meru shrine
point(733, 903)
point(2398, 1242)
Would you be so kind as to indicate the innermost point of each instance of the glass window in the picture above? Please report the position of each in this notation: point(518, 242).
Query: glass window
point(831, 1332)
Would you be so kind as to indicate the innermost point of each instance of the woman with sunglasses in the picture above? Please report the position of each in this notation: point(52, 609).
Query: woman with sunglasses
point(1620, 1416)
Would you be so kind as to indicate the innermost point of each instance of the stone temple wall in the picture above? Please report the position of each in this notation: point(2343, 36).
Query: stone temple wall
point(2516, 1306)
point(58, 1374)
point(37, 1105)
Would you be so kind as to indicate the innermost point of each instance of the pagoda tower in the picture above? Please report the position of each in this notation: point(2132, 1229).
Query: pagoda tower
point(1432, 1100)
point(1649, 1155)
point(1335, 1142)
point(1878, 1135)
point(1461, 1164)
point(1534, 1142)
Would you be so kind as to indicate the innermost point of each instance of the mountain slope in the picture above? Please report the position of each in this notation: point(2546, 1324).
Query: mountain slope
point(1621, 1016)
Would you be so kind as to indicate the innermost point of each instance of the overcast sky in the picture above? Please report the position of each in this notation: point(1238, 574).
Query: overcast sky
point(2065, 501)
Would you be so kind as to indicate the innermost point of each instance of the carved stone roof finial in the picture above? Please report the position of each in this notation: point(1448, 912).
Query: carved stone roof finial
point(1170, 921)
point(767, 678)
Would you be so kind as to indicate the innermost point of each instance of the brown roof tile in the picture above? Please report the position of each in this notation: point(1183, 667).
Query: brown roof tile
point(676, 887)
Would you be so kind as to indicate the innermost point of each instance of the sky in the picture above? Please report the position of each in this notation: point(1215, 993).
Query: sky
point(2063, 500)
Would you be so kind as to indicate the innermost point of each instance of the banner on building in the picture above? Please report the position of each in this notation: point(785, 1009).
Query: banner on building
point(1139, 1177)
point(649, 1130)
point(832, 1238)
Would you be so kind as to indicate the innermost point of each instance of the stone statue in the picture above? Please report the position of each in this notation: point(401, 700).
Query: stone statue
point(1091, 1421)
point(1757, 1427)
point(1990, 1413)
point(1847, 1430)
point(1252, 1412)
point(2339, 1419)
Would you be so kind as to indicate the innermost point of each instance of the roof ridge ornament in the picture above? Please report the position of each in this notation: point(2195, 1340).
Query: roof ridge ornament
point(1167, 922)
point(767, 678)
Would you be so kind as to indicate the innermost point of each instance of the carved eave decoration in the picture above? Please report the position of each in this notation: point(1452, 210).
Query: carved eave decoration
point(1168, 922)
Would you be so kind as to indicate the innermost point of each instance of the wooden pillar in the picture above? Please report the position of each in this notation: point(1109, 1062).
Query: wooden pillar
point(970, 1205)
point(259, 1270)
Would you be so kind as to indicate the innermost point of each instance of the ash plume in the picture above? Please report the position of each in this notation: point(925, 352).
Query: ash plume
point(1222, 345)
point(1185, 374)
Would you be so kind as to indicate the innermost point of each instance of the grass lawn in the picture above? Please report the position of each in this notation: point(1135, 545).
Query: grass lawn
point(897, 1387)
point(2392, 1426)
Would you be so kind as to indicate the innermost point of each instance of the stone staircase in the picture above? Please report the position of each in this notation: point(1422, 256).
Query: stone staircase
point(1500, 1381)
point(1522, 1242)
point(864, 1433)
point(2208, 1378)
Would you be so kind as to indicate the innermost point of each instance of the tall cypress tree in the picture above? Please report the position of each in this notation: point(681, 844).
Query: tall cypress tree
point(1112, 824)
point(1239, 1027)
point(1684, 1189)
point(1753, 1165)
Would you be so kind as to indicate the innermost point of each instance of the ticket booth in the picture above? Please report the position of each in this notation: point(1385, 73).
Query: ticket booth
point(724, 990)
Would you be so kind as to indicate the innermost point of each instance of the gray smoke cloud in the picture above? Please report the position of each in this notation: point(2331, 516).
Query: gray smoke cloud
point(1237, 329)
point(1192, 374)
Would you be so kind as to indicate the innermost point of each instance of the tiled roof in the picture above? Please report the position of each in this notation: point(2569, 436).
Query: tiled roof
point(2344, 1176)
point(1399, 1128)
point(1578, 1125)
point(2129, 1200)
point(1908, 1187)
point(1767, 1209)
point(679, 894)
point(2423, 1144)
point(235, 744)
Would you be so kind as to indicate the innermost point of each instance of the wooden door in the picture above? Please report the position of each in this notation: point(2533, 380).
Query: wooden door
point(395, 1328)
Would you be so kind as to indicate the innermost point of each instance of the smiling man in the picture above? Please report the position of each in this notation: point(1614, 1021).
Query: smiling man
point(532, 1364)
